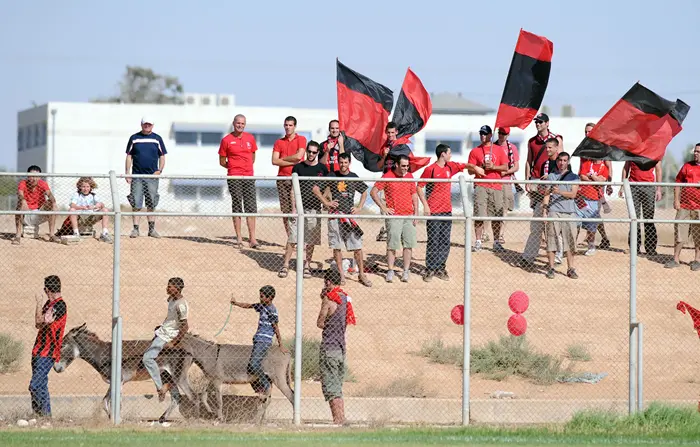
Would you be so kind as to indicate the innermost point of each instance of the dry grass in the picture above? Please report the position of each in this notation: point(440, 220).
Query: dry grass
point(412, 387)
point(10, 353)
point(578, 353)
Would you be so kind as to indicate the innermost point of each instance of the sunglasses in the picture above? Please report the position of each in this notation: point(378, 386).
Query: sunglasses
point(501, 133)
point(312, 152)
point(538, 122)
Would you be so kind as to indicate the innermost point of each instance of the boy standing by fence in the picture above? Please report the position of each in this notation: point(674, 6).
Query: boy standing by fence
point(262, 340)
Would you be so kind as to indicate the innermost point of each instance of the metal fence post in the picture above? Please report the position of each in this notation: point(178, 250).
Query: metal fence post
point(640, 367)
point(466, 366)
point(299, 298)
point(116, 371)
point(633, 298)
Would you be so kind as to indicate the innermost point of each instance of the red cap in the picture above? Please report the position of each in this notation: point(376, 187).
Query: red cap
point(505, 130)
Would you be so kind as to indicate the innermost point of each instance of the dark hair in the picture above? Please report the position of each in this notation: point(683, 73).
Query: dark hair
point(267, 291)
point(391, 125)
point(562, 154)
point(697, 144)
point(343, 156)
point(52, 283)
point(333, 276)
point(441, 149)
point(401, 158)
point(177, 282)
point(589, 125)
point(331, 122)
point(34, 168)
point(314, 144)
point(292, 119)
point(552, 140)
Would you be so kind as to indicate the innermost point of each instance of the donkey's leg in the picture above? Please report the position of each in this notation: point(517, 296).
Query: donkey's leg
point(106, 402)
point(218, 385)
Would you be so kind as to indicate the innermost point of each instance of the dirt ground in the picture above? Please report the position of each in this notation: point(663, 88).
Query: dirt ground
point(394, 320)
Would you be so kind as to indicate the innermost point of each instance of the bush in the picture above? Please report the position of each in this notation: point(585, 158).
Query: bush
point(578, 353)
point(10, 353)
point(309, 359)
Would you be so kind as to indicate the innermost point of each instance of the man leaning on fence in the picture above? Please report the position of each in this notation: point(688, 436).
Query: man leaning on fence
point(686, 201)
point(145, 154)
point(34, 194)
point(644, 198)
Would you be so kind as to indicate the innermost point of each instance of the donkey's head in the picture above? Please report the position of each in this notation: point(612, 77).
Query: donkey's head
point(71, 347)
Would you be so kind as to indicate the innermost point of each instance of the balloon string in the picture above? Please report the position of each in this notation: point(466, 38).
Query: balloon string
point(230, 308)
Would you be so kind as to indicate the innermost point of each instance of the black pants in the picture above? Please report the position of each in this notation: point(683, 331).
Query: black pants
point(438, 248)
point(644, 199)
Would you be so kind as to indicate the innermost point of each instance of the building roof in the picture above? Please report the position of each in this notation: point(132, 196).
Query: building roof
point(455, 104)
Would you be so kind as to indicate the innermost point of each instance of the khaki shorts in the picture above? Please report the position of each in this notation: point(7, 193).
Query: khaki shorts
point(683, 230)
point(332, 368)
point(488, 202)
point(32, 220)
point(312, 229)
point(340, 238)
point(508, 198)
point(284, 189)
point(401, 233)
point(567, 231)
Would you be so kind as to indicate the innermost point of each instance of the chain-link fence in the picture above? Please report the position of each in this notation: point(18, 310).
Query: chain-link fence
point(243, 283)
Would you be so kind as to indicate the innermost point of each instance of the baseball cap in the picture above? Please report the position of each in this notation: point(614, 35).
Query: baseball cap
point(504, 130)
point(542, 117)
point(485, 130)
point(146, 119)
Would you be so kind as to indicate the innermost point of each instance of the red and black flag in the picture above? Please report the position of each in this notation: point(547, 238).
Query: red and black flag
point(637, 128)
point(527, 81)
point(363, 111)
point(411, 114)
point(694, 314)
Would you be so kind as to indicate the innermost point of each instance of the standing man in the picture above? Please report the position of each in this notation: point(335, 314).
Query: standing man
point(492, 162)
point(604, 240)
point(145, 154)
point(591, 171)
point(286, 153)
point(345, 234)
point(237, 155)
point(50, 319)
point(332, 147)
point(386, 164)
point(401, 200)
point(644, 198)
point(513, 167)
point(439, 198)
point(34, 194)
point(686, 201)
point(537, 153)
point(333, 318)
point(312, 206)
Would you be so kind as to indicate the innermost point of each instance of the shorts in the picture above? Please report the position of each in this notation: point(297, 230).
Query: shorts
point(312, 229)
point(332, 367)
point(590, 211)
point(488, 202)
point(567, 231)
point(243, 196)
point(87, 221)
point(342, 238)
point(508, 197)
point(284, 189)
point(401, 233)
point(683, 230)
point(33, 220)
point(144, 187)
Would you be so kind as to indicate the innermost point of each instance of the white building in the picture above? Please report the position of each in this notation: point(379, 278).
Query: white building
point(90, 138)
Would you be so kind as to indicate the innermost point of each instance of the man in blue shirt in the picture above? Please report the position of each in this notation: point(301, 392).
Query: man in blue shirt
point(145, 154)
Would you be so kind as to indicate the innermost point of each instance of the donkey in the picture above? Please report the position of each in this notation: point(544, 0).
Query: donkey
point(79, 342)
point(227, 364)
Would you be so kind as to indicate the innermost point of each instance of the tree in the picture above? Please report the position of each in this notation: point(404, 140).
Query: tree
point(143, 86)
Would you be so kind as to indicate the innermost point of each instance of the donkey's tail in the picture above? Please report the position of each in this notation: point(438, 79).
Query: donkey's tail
point(289, 375)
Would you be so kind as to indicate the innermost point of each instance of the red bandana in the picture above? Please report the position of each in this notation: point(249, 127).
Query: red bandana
point(335, 296)
point(694, 314)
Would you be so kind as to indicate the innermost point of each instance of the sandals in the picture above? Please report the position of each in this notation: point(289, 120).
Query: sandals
point(364, 281)
point(284, 271)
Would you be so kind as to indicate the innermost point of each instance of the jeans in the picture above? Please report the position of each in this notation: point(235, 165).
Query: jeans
point(149, 360)
point(644, 199)
point(261, 383)
point(141, 187)
point(438, 248)
point(39, 385)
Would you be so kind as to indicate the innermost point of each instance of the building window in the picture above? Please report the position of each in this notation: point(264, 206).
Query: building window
point(42, 134)
point(186, 138)
point(431, 144)
point(211, 138)
point(266, 139)
point(185, 191)
point(20, 139)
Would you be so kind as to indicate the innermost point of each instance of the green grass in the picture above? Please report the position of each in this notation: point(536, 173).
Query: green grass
point(509, 356)
point(10, 353)
point(309, 359)
point(578, 352)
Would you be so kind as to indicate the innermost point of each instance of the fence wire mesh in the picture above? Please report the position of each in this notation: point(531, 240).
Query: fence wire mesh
point(403, 356)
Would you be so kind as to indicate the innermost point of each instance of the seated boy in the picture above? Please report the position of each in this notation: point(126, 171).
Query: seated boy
point(85, 199)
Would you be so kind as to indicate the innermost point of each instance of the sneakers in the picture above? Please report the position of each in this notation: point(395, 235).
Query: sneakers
point(442, 274)
point(134, 233)
point(106, 238)
point(404, 277)
point(672, 264)
point(590, 251)
point(428, 276)
point(390, 276)
point(153, 233)
point(571, 273)
point(477, 246)
point(497, 247)
point(381, 236)
point(694, 266)
point(550, 273)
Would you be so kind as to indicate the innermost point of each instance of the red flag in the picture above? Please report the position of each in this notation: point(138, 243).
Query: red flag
point(694, 314)
point(413, 108)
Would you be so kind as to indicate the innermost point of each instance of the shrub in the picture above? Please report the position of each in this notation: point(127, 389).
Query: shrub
point(309, 359)
point(10, 353)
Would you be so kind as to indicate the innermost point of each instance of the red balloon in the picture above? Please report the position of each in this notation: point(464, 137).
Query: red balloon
point(457, 314)
point(518, 302)
point(517, 325)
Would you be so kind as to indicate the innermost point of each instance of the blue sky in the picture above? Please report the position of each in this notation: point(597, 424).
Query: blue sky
point(284, 55)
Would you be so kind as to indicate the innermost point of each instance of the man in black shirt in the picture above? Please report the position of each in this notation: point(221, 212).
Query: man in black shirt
point(312, 205)
point(344, 234)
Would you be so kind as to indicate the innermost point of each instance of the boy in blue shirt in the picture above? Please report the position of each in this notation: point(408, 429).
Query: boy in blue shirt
point(262, 340)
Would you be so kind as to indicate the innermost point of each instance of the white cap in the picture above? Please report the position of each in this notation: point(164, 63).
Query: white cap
point(146, 119)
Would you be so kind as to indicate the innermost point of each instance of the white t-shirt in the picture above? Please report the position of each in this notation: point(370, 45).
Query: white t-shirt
point(89, 200)
point(177, 311)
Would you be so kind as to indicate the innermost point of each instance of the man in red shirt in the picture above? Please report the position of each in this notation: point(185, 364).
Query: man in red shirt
point(644, 198)
point(604, 240)
point(589, 197)
point(34, 194)
point(332, 147)
point(386, 163)
point(489, 162)
point(439, 198)
point(287, 152)
point(513, 167)
point(537, 154)
point(686, 200)
point(237, 155)
point(401, 200)
point(50, 319)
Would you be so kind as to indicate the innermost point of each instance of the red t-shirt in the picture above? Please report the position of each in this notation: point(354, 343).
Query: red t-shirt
point(285, 148)
point(398, 195)
point(589, 167)
point(690, 197)
point(35, 197)
point(637, 175)
point(439, 195)
point(535, 147)
point(239, 153)
point(511, 151)
point(498, 155)
point(49, 339)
